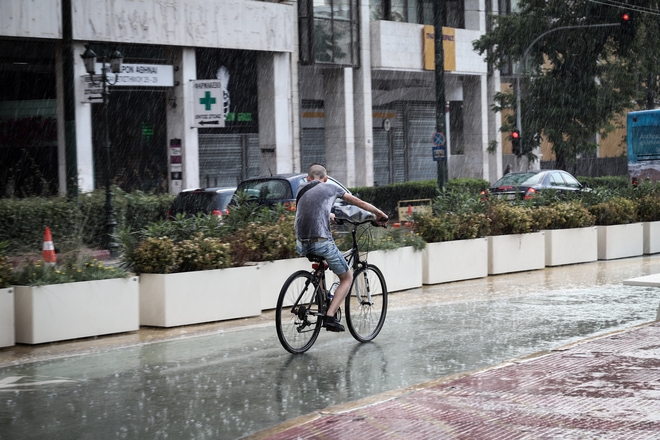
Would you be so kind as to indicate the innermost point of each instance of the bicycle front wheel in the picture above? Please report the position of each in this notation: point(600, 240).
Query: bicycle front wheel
point(366, 303)
point(297, 315)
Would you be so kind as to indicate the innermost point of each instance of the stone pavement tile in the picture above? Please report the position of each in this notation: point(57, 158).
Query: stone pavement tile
point(605, 388)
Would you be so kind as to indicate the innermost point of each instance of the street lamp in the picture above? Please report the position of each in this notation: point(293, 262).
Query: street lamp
point(111, 62)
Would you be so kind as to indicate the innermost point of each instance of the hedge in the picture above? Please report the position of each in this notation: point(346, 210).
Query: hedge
point(609, 182)
point(23, 220)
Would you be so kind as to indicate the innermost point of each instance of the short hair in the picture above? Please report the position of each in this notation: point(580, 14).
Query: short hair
point(317, 171)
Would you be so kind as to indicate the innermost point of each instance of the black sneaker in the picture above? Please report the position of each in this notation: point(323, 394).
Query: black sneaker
point(332, 325)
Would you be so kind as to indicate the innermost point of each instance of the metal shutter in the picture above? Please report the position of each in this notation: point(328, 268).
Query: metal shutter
point(381, 157)
point(312, 148)
point(421, 126)
point(226, 159)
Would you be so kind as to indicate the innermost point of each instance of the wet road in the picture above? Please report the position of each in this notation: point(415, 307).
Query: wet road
point(234, 383)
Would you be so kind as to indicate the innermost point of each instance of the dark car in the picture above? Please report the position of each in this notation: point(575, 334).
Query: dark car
point(202, 200)
point(280, 188)
point(525, 184)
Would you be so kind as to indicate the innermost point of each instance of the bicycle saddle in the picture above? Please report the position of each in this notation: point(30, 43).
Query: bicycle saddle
point(315, 258)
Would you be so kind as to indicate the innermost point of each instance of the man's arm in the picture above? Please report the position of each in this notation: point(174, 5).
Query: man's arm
point(381, 217)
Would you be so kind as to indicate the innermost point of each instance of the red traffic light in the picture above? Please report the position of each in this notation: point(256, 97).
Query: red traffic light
point(625, 16)
point(515, 134)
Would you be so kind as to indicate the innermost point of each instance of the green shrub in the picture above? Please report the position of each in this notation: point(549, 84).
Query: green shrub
point(451, 226)
point(562, 215)
point(155, 255)
point(615, 211)
point(73, 268)
point(467, 185)
point(508, 219)
point(386, 197)
point(609, 182)
point(263, 242)
point(5, 267)
point(648, 208)
point(202, 253)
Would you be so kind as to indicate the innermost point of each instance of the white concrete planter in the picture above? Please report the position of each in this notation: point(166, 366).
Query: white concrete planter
point(58, 312)
point(194, 297)
point(620, 241)
point(651, 237)
point(455, 260)
point(516, 253)
point(7, 332)
point(571, 246)
point(273, 274)
point(402, 268)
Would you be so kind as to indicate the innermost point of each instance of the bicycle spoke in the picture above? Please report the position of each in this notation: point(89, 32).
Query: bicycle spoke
point(366, 305)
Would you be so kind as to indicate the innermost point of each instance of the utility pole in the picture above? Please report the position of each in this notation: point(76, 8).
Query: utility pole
point(440, 125)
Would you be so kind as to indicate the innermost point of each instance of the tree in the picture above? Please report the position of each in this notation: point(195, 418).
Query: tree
point(574, 80)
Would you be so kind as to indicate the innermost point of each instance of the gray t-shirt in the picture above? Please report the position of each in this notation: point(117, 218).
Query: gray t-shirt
point(313, 211)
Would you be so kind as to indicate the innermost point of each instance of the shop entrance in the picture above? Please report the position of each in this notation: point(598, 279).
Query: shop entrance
point(138, 144)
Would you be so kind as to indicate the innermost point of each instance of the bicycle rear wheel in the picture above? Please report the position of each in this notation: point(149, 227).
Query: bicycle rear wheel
point(296, 317)
point(366, 303)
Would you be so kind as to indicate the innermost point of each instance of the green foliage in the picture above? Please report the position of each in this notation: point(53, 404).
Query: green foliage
point(263, 241)
point(386, 197)
point(609, 182)
point(508, 219)
point(648, 208)
point(575, 80)
point(615, 211)
point(397, 238)
point(562, 215)
point(451, 226)
point(155, 255)
point(466, 185)
point(202, 253)
point(73, 268)
point(5, 267)
point(22, 221)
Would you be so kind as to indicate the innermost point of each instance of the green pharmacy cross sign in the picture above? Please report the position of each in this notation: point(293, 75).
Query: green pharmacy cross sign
point(207, 101)
point(207, 95)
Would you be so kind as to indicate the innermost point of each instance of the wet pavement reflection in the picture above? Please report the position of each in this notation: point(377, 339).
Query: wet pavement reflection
point(239, 381)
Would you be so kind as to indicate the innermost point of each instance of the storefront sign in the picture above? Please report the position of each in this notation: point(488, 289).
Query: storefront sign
point(131, 75)
point(208, 100)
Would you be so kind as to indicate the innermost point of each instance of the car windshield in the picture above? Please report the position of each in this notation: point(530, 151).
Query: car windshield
point(272, 189)
point(193, 202)
point(518, 179)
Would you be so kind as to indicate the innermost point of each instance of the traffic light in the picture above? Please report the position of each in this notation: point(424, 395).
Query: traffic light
point(515, 143)
point(627, 23)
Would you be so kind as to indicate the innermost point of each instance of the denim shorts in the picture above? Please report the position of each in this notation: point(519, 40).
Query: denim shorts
point(326, 249)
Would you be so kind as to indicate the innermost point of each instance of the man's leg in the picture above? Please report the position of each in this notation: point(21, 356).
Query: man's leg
point(345, 281)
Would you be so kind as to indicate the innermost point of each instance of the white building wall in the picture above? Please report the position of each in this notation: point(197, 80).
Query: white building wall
point(231, 24)
point(31, 18)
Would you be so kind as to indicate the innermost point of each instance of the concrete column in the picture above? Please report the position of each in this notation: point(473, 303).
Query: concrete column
point(180, 117)
point(84, 147)
point(494, 123)
point(475, 126)
point(364, 144)
point(339, 125)
point(61, 128)
point(275, 114)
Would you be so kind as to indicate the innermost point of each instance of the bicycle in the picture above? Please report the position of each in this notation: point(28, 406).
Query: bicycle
point(304, 299)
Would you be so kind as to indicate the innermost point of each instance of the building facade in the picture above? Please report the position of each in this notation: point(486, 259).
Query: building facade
point(346, 83)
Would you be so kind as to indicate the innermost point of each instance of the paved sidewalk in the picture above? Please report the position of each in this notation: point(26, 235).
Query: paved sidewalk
point(604, 388)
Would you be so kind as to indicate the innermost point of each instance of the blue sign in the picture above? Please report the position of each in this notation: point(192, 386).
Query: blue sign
point(439, 153)
point(438, 139)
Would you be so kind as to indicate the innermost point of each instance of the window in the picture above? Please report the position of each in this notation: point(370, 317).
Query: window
point(329, 32)
point(417, 11)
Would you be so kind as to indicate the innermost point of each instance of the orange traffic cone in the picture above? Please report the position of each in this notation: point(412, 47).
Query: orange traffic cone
point(48, 252)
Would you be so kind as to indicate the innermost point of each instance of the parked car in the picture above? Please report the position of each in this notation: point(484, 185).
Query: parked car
point(280, 188)
point(212, 201)
point(526, 184)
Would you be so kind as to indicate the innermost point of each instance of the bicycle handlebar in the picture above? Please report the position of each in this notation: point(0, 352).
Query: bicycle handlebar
point(340, 221)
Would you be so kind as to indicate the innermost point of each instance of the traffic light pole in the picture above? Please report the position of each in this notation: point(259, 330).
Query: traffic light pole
point(440, 124)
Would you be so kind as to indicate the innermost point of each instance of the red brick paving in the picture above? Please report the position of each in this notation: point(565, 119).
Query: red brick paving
point(607, 388)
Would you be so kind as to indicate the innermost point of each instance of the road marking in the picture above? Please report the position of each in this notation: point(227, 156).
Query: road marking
point(14, 383)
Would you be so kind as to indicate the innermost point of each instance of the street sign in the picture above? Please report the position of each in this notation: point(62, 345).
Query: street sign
point(131, 75)
point(439, 153)
point(438, 139)
point(208, 100)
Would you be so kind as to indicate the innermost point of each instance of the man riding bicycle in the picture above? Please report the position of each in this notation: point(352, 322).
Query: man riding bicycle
point(313, 236)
